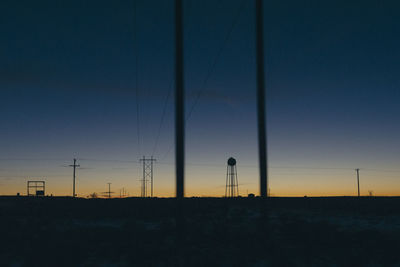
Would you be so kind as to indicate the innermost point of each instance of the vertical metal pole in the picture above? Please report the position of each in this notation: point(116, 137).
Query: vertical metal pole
point(179, 132)
point(358, 181)
point(73, 177)
point(227, 181)
point(179, 101)
point(144, 178)
point(232, 183)
point(237, 183)
point(261, 110)
point(73, 190)
point(151, 162)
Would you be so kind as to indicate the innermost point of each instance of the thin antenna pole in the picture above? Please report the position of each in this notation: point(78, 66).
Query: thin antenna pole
point(358, 181)
point(261, 110)
point(179, 101)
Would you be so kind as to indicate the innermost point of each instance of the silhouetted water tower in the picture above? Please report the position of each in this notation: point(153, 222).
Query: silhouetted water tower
point(232, 186)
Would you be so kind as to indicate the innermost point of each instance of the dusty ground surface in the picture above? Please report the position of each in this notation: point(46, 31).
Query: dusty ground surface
point(217, 232)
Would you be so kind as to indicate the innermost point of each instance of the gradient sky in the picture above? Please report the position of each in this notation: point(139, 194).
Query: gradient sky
point(68, 78)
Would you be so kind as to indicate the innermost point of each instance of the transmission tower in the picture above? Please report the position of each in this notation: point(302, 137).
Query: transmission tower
point(147, 174)
point(73, 177)
point(232, 186)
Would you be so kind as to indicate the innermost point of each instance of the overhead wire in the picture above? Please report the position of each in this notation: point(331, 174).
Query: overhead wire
point(215, 61)
point(162, 117)
point(33, 159)
point(202, 164)
point(212, 66)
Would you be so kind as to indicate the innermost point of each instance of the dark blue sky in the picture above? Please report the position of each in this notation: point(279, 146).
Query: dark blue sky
point(68, 86)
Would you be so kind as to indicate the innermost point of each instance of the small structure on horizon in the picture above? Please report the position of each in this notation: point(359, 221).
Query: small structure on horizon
point(108, 193)
point(36, 188)
point(232, 186)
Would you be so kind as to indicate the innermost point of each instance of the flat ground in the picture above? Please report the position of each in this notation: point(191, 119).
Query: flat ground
point(343, 231)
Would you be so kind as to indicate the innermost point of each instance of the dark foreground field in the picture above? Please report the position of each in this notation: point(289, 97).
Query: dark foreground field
point(142, 232)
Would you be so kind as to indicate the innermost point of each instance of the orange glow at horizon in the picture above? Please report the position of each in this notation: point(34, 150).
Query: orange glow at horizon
point(293, 186)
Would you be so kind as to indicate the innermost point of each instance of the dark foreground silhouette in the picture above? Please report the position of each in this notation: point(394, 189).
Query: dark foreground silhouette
point(342, 231)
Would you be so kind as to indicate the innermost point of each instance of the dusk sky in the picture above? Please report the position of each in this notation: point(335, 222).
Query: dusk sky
point(74, 73)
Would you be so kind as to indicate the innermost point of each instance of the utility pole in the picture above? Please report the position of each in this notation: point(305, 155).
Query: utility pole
point(358, 181)
point(179, 129)
point(179, 102)
point(122, 192)
point(147, 174)
point(261, 110)
point(109, 190)
point(73, 183)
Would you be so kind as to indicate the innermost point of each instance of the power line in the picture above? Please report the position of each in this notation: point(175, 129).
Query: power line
point(311, 168)
point(164, 109)
point(162, 117)
point(254, 166)
point(32, 159)
point(219, 53)
point(108, 160)
point(168, 151)
point(33, 176)
point(190, 164)
point(199, 164)
point(379, 170)
point(212, 67)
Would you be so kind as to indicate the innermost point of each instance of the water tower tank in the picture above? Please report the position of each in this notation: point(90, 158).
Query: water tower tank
point(231, 162)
